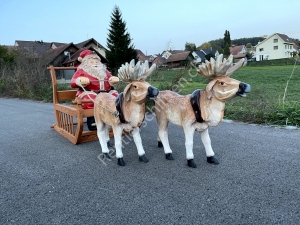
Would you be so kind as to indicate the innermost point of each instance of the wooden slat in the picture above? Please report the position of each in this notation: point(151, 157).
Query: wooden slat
point(66, 95)
point(71, 110)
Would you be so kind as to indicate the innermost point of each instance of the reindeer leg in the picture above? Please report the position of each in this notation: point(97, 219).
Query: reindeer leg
point(138, 142)
point(208, 149)
point(163, 140)
point(101, 133)
point(109, 145)
point(189, 141)
point(118, 144)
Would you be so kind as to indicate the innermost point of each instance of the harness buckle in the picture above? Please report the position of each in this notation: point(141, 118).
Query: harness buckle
point(115, 114)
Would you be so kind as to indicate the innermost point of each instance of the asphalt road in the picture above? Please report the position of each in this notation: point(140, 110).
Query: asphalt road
point(45, 179)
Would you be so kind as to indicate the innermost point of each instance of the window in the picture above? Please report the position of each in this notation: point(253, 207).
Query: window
point(275, 40)
point(276, 47)
point(290, 47)
point(261, 49)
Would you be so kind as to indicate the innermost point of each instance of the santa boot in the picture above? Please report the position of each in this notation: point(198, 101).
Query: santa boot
point(91, 123)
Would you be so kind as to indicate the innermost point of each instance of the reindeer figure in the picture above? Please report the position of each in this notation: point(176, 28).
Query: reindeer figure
point(201, 109)
point(127, 111)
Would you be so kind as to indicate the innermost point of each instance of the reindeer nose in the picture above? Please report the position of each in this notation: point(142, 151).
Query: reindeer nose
point(152, 91)
point(246, 88)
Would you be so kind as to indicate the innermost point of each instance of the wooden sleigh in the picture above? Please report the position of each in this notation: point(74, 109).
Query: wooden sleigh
point(70, 118)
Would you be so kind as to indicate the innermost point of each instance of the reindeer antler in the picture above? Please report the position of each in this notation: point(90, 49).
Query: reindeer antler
point(139, 72)
point(219, 67)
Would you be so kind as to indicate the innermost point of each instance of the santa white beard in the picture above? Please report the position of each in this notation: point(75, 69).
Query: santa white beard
point(97, 72)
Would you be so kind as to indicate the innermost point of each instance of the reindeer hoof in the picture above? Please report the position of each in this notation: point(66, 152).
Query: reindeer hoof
point(121, 162)
point(169, 156)
point(212, 160)
point(106, 156)
point(159, 144)
point(143, 158)
point(191, 163)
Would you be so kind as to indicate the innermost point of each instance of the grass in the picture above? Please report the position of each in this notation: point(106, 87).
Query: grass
point(263, 105)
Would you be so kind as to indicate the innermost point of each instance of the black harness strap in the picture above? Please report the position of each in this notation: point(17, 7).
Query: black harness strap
point(119, 107)
point(194, 99)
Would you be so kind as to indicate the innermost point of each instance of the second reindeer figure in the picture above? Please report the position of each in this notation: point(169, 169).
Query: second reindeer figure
point(201, 109)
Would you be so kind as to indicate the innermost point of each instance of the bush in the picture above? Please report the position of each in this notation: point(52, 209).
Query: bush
point(25, 78)
point(287, 114)
point(274, 62)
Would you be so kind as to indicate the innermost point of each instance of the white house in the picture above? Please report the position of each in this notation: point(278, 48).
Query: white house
point(276, 46)
point(238, 52)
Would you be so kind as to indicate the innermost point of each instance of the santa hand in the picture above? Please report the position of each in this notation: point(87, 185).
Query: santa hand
point(82, 81)
point(113, 80)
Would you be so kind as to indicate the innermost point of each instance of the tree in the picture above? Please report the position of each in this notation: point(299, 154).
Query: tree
point(6, 55)
point(227, 43)
point(120, 48)
point(217, 47)
point(205, 45)
point(190, 46)
point(297, 42)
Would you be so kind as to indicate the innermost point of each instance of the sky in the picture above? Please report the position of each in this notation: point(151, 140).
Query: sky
point(153, 25)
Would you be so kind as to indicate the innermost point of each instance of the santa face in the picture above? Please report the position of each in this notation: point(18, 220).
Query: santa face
point(93, 66)
point(93, 62)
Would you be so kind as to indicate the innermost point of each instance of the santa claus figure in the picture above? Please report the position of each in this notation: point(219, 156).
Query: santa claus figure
point(91, 78)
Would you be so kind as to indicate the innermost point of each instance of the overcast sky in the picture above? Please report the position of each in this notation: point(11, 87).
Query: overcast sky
point(151, 24)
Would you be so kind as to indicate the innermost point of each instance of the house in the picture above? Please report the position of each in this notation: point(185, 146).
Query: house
point(204, 54)
point(179, 59)
point(57, 56)
point(174, 58)
point(158, 60)
point(37, 47)
point(72, 60)
point(168, 58)
point(238, 52)
point(92, 43)
point(141, 56)
point(276, 46)
point(60, 54)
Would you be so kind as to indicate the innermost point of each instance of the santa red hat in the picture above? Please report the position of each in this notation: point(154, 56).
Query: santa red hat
point(86, 53)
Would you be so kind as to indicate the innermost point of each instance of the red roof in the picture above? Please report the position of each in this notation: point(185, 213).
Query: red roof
point(178, 56)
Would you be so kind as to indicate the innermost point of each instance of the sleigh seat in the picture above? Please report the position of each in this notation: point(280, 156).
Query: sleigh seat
point(70, 117)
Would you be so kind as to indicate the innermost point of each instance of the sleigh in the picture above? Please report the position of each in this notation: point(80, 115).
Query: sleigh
point(70, 117)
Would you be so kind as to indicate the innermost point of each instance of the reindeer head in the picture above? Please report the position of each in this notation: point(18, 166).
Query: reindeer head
point(221, 85)
point(138, 90)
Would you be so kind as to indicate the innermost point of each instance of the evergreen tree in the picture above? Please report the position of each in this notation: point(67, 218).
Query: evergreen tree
point(120, 48)
point(227, 43)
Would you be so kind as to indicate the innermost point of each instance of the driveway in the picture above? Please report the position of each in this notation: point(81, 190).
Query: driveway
point(45, 179)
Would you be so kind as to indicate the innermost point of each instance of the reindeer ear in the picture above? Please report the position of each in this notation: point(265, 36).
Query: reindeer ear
point(209, 90)
point(127, 92)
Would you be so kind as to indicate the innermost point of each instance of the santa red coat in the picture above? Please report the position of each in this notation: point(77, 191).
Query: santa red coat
point(93, 88)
